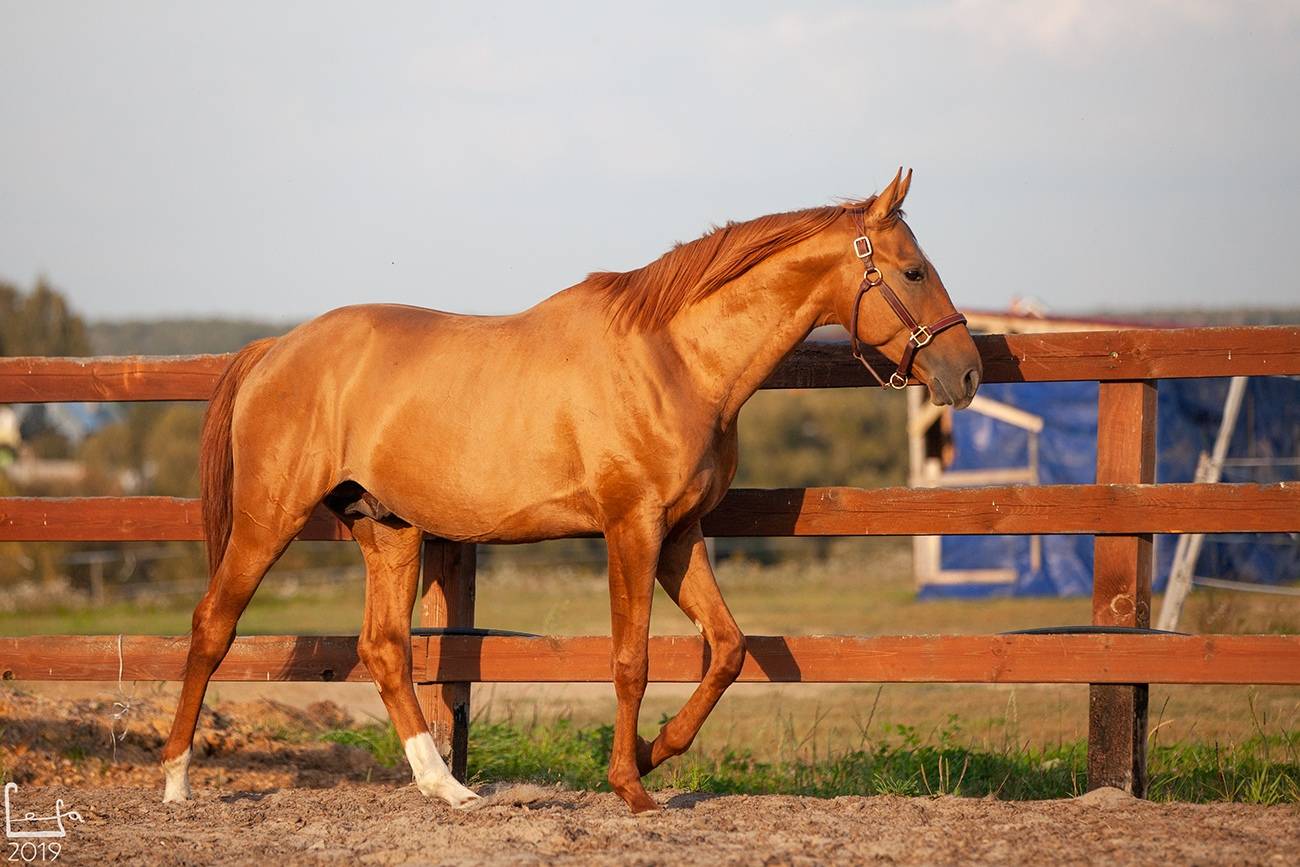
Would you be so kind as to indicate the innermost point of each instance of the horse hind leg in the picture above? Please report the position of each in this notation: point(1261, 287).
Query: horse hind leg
point(392, 555)
point(253, 547)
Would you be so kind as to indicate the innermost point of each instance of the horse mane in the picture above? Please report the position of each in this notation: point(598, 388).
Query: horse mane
point(648, 297)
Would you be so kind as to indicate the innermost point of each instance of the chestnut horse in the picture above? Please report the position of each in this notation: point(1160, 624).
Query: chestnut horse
point(608, 408)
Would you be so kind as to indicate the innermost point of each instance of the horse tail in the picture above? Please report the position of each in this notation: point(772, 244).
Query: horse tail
point(216, 458)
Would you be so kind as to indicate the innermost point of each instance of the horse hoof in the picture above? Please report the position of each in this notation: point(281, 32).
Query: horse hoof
point(637, 800)
point(446, 788)
point(463, 800)
point(174, 794)
point(644, 804)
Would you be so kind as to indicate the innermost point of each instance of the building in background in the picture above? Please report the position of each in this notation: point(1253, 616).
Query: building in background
point(1046, 433)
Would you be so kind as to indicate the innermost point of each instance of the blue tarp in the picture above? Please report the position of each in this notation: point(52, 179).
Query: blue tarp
point(1187, 422)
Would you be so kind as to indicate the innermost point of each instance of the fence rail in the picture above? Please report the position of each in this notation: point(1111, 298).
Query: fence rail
point(1003, 510)
point(1098, 356)
point(1115, 659)
point(1122, 511)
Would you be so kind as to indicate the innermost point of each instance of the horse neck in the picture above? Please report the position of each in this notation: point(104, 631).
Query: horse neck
point(734, 339)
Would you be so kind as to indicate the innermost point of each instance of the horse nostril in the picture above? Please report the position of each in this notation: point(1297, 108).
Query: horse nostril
point(971, 381)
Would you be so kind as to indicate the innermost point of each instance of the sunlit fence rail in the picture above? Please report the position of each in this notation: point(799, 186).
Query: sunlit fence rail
point(1122, 511)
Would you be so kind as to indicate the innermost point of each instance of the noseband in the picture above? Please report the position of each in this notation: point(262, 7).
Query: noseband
point(918, 336)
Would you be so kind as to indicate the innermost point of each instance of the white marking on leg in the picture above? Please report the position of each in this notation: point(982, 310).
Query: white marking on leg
point(431, 773)
point(177, 772)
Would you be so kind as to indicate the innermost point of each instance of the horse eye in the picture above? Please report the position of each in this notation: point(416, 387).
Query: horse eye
point(915, 275)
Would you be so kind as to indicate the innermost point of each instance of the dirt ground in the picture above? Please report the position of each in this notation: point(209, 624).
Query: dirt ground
point(262, 795)
point(387, 824)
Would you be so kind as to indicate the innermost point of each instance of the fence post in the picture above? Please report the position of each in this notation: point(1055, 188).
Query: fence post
point(1121, 588)
point(447, 599)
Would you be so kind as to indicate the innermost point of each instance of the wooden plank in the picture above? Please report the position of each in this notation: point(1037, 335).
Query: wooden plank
point(35, 379)
point(1012, 415)
point(1126, 449)
point(944, 577)
point(986, 478)
point(1148, 353)
point(1057, 357)
point(1121, 593)
point(1141, 354)
point(1120, 659)
point(159, 657)
point(447, 600)
point(1014, 510)
point(124, 519)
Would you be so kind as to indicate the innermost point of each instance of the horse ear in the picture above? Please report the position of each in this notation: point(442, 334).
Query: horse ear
point(882, 209)
point(902, 190)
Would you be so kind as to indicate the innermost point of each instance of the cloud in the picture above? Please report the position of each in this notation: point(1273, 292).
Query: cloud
point(1078, 31)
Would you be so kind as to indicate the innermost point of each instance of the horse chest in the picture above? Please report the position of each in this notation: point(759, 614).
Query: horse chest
point(705, 487)
point(692, 503)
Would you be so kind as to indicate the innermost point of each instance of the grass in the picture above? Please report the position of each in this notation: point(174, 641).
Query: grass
point(864, 587)
point(332, 611)
point(1264, 769)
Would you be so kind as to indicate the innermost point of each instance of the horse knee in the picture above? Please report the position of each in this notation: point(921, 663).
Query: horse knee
point(209, 638)
point(631, 670)
point(383, 655)
point(202, 613)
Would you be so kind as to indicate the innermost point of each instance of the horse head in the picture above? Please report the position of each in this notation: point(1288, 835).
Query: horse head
point(893, 300)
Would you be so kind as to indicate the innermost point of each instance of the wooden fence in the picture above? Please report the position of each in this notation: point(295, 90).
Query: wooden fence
point(1122, 511)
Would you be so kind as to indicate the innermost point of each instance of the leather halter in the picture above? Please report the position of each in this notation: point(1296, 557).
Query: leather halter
point(918, 336)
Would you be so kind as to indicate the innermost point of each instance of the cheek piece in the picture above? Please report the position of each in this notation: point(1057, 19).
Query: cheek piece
point(918, 336)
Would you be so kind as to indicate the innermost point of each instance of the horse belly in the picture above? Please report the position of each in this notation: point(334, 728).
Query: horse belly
point(479, 479)
point(505, 513)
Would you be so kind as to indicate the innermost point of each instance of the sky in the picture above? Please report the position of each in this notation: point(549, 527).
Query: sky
point(276, 160)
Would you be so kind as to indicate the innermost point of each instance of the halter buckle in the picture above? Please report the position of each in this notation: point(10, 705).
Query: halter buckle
point(898, 380)
point(862, 247)
point(921, 336)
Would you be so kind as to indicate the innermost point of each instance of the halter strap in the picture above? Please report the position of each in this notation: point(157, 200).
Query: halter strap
point(918, 336)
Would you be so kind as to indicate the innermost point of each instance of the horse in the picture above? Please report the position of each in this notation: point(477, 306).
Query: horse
point(608, 408)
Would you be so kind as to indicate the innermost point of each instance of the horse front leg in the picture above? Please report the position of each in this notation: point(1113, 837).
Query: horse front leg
point(633, 555)
point(685, 573)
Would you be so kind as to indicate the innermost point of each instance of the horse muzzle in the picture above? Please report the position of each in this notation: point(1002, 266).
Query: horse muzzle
point(957, 390)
